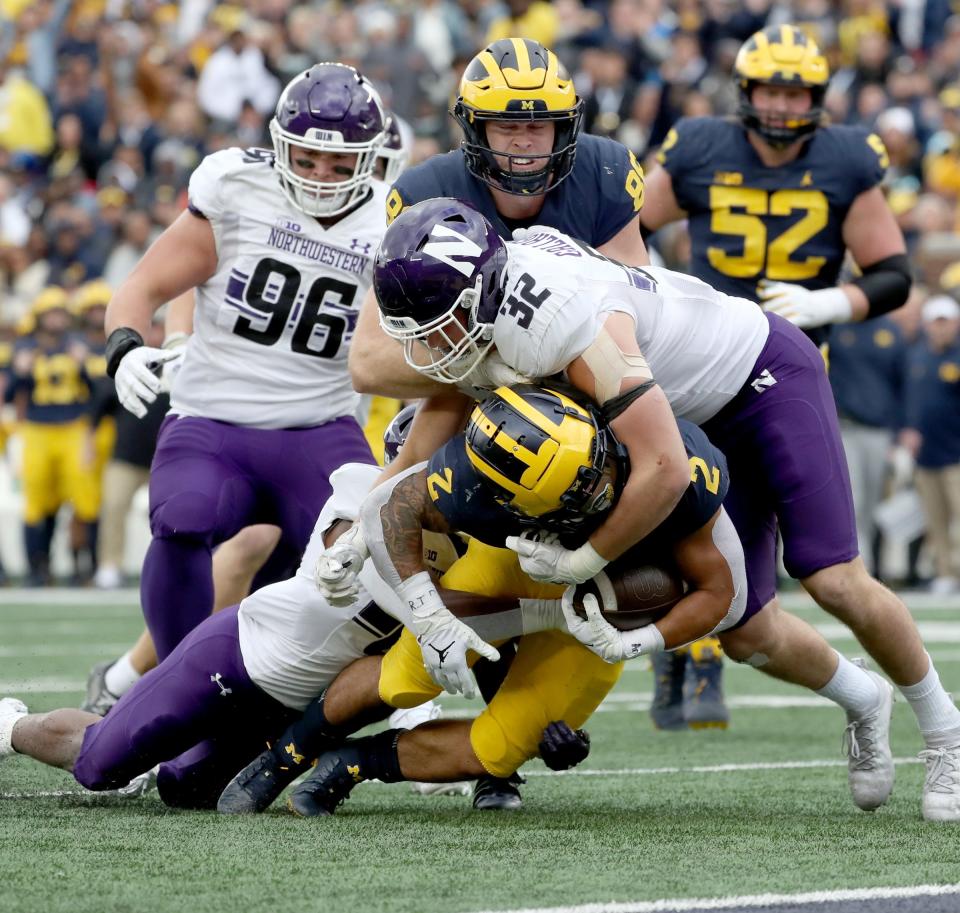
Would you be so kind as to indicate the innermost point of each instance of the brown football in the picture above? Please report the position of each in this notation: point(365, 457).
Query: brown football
point(644, 594)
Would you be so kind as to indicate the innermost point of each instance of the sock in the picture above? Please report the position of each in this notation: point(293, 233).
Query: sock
point(121, 676)
point(851, 688)
point(937, 715)
point(309, 737)
point(375, 757)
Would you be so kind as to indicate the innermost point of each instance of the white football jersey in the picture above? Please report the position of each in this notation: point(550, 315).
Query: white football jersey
point(293, 642)
point(272, 327)
point(700, 344)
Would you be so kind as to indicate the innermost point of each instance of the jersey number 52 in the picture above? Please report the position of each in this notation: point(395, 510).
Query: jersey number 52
point(770, 256)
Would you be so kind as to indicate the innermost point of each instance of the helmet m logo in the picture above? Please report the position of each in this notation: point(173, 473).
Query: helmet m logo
point(445, 244)
point(526, 104)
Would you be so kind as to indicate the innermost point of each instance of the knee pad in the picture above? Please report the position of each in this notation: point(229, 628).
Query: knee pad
point(404, 682)
point(498, 750)
point(185, 515)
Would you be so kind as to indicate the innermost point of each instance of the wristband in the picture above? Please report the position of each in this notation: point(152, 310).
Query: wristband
point(642, 641)
point(121, 341)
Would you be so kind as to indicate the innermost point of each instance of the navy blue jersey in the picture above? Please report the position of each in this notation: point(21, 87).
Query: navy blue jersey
point(57, 385)
point(750, 222)
point(933, 403)
point(602, 194)
point(460, 494)
point(867, 365)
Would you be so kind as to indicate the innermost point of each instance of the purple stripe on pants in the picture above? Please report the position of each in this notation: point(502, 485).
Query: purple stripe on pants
point(199, 701)
point(210, 479)
point(782, 441)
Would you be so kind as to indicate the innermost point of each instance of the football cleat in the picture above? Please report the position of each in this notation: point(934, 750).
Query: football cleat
point(99, 699)
point(10, 711)
point(258, 785)
point(866, 743)
point(498, 793)
point(326, 788)
point(666, 710)
point(703, 704)
point(941, 787)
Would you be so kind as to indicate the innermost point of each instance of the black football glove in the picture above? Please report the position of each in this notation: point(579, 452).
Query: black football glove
point(562, 748)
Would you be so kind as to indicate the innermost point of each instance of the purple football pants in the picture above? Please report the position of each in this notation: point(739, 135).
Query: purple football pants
point(209, 480)
point(198, 708)
point(782, 441)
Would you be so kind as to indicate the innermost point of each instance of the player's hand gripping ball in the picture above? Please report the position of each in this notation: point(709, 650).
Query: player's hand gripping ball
point(631, 597)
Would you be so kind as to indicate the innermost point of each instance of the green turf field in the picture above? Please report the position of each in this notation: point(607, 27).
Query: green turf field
point(762, 807)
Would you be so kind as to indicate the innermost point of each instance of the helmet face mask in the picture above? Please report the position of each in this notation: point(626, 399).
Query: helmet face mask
point(545, 458)
point(329, 108)
point(518, 81)
point(437, 278)
point(781, 56)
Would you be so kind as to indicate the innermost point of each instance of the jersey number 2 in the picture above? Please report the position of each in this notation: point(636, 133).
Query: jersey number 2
point(749, 225)
point(315, 333)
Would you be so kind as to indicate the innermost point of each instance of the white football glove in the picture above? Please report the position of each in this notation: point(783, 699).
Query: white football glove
point(803, 307)
point(602, 638)
point(490, 373)
point(177, 343)
point(339, 566)
point(138, 378)
point(443, 638)
point(550, 563)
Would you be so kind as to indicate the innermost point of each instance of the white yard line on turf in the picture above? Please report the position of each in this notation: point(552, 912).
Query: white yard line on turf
point(82, 648)
point(68, 596)
point(749, 900)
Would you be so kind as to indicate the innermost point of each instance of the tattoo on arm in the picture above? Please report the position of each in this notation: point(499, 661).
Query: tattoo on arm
point(408, 511)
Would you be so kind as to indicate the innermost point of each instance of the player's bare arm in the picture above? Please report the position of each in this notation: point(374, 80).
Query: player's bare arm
point(408, 511)
point(712, 588)
point(377, 364)
point(184, 256)
point(872, 235)
point(659, 472)
point(660, 206)
point(627, 246)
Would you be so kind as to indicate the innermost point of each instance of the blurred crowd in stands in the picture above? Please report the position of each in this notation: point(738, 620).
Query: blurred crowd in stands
point(106, 106)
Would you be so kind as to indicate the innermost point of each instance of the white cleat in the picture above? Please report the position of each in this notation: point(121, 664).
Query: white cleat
point(941, 788)
point(10, 711)
point(866, 743)
point(411, 717)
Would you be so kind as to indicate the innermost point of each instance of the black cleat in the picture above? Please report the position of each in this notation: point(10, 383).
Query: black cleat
point(666, 710)
point(326, 788)
point(255, 788)
point(498, 793)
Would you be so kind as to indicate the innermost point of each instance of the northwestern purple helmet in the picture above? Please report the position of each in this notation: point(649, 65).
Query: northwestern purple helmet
point(438, 277)
point(395, 152)
point(330, 108)
point(396, 434)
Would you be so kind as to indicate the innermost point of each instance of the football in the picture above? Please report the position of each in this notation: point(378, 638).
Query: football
point(643, 594)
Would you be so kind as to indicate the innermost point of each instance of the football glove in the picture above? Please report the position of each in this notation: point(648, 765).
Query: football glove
point(552, 563)
point(138, 377)
point(803, 307)
point(175, 342)
point(602, 638)
point(339, 566)
point(443, 638)
point(562, 747)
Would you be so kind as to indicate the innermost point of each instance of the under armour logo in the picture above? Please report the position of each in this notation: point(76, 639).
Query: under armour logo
point(218, 681)
point(357, 244)
point(762, 381)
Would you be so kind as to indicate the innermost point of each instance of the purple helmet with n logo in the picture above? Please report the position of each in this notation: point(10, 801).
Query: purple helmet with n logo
point(438, 281)
point(329, 108)
point(396, 434)
point(395, 152)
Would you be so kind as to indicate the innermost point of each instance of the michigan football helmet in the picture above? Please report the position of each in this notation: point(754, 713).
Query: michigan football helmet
point(91, 295)
point(517, 79)
point(437, 277)
point(395, 152)
point(330, 108)
point(781, 55)
point(396, 433)
point(544, 456)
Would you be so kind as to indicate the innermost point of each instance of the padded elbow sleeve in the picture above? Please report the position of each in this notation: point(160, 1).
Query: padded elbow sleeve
point(886, 284)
